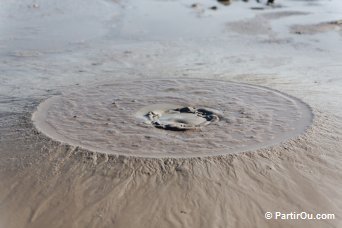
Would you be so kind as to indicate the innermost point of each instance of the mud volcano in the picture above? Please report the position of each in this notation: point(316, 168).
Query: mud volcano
point(172, 118)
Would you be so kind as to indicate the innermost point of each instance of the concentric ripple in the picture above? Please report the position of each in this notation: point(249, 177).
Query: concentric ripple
point(172, 118)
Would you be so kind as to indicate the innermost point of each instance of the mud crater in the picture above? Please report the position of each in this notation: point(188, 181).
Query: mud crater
point(180, 118)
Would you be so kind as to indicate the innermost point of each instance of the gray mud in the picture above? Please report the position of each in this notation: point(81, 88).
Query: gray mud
point(104, 118)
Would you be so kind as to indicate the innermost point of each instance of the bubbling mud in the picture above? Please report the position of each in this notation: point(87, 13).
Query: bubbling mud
point(172, 118)
point(178, 118)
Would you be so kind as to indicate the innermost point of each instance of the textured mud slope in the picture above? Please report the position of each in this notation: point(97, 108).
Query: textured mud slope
point(59, 184)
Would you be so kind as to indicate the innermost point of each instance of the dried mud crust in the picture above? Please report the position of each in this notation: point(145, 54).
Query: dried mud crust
point(172, 118)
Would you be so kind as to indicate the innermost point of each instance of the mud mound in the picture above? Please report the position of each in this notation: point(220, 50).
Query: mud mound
point(172, 118)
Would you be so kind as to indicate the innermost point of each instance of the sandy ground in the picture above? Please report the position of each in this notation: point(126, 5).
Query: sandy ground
point(49, 48)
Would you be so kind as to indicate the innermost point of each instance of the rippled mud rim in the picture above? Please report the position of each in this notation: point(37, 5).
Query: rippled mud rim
point(173, 118)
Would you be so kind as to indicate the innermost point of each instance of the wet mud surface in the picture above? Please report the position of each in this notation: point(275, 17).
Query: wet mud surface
point(119, 118)
point(65, 50)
